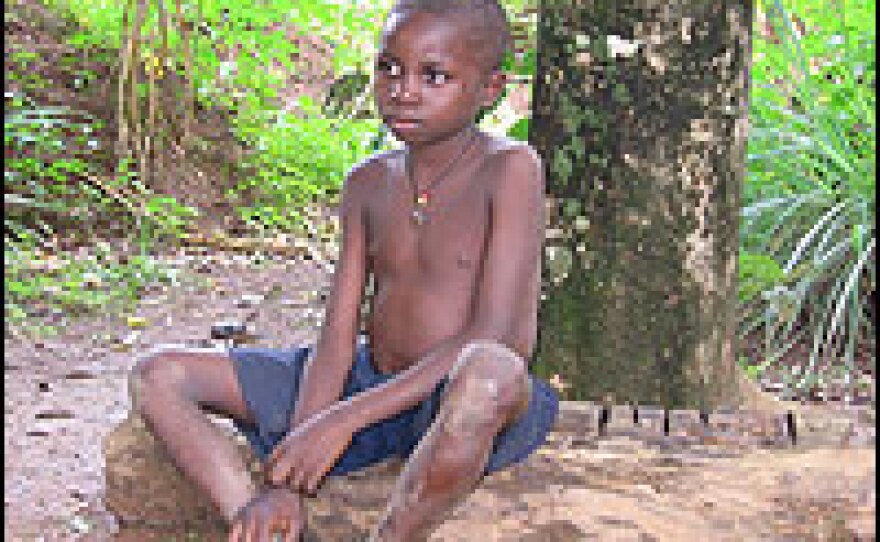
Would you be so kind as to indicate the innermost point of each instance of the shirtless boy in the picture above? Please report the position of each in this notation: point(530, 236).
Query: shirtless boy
point(451, 227)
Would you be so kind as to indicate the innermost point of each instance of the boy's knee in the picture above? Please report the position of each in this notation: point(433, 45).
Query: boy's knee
point(488, 371)
point(157, 370)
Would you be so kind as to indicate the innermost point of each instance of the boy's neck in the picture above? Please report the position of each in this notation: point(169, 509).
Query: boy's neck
point(435, 154)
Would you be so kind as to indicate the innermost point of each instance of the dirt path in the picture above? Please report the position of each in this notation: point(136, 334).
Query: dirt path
point(64, 394)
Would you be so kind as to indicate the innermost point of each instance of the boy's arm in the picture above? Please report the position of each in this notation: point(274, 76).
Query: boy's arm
point(517, 236)
point(324, 376)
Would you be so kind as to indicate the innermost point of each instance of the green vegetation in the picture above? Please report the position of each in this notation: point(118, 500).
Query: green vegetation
point(39, 287)
point(242, 56)
point(50, 189)
point(808, 237)
point(295, 156)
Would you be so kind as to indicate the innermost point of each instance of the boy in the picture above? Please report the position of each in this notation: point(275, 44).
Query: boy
point(451, 227)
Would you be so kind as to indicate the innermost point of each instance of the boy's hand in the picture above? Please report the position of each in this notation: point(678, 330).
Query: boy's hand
point(275, 511)
point(310, 451)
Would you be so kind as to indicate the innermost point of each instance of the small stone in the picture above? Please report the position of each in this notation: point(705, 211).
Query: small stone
point(91, 281)
point(130, 338)
point(294, 302)
point(80, 525)
point(124, 343)
point(249, 300)
point(80, 374)
point(228, 330)
point(221, 289)
point(54, 414)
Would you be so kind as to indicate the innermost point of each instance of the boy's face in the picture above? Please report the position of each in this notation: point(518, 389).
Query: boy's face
point(426, 74)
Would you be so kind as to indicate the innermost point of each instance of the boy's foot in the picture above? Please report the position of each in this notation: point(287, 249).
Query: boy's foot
point(275, 514)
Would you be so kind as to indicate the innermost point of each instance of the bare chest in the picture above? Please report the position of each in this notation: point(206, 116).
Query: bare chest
point(448, 245)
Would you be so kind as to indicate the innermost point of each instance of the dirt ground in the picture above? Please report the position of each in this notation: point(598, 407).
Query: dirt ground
point(65, 393)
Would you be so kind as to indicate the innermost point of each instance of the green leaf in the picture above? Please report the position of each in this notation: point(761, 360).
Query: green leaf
point(520, 130)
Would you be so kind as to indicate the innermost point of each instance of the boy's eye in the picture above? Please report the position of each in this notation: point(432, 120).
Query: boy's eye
point(437, 77)
point(387, 67)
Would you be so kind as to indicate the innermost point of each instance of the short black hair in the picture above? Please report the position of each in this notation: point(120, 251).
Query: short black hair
point(492, 35)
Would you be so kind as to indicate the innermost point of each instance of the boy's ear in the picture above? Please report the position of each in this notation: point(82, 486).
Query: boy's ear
point(494, 87)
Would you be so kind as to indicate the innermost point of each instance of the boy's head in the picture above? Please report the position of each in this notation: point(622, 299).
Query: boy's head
point(439, 62)
point(483, 25)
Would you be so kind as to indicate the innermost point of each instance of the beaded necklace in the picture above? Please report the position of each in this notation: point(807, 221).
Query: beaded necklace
point(421, 199)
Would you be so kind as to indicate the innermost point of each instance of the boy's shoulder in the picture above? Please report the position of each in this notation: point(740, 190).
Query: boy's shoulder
point(514, 164)
point(503, 148)
point(365, 174)
point(374, 165)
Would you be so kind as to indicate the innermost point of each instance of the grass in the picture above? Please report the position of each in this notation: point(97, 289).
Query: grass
point(808, 235)
point(42, 290)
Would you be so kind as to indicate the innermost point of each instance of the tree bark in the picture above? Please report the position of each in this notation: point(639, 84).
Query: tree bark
point(126, 52)
point(189, 75)
point(134, 101)
point(640, 114)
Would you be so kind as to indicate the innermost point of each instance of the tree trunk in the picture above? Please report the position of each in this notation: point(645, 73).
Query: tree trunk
point(640, 115)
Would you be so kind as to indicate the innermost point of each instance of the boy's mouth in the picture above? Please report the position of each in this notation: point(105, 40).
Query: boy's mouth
point(404, 124)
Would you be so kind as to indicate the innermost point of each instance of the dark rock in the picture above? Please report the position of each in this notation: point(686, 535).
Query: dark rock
point(228, 330)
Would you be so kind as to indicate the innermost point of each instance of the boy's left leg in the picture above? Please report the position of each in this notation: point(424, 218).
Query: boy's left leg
point(488, 389)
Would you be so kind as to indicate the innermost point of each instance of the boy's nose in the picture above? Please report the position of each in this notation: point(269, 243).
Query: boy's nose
point(405, 89)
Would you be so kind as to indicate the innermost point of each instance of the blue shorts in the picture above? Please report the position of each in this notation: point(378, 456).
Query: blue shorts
point(269, 381)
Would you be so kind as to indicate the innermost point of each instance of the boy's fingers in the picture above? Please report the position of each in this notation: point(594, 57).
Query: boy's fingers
point(273, 475)
point(292, 534)
point(286, 470)
point(312, 486)
point(297, 471)
point(291, 472)
point(279, 456)
point(264, 532)
point(279, 472)
point(251, 532)
point(235, 533)
point(274, 458)
point(301, 477)
point(294, 478)
point(270, 461)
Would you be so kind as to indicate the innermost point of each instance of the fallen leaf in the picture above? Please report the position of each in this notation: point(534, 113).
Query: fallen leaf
point(136, 321)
